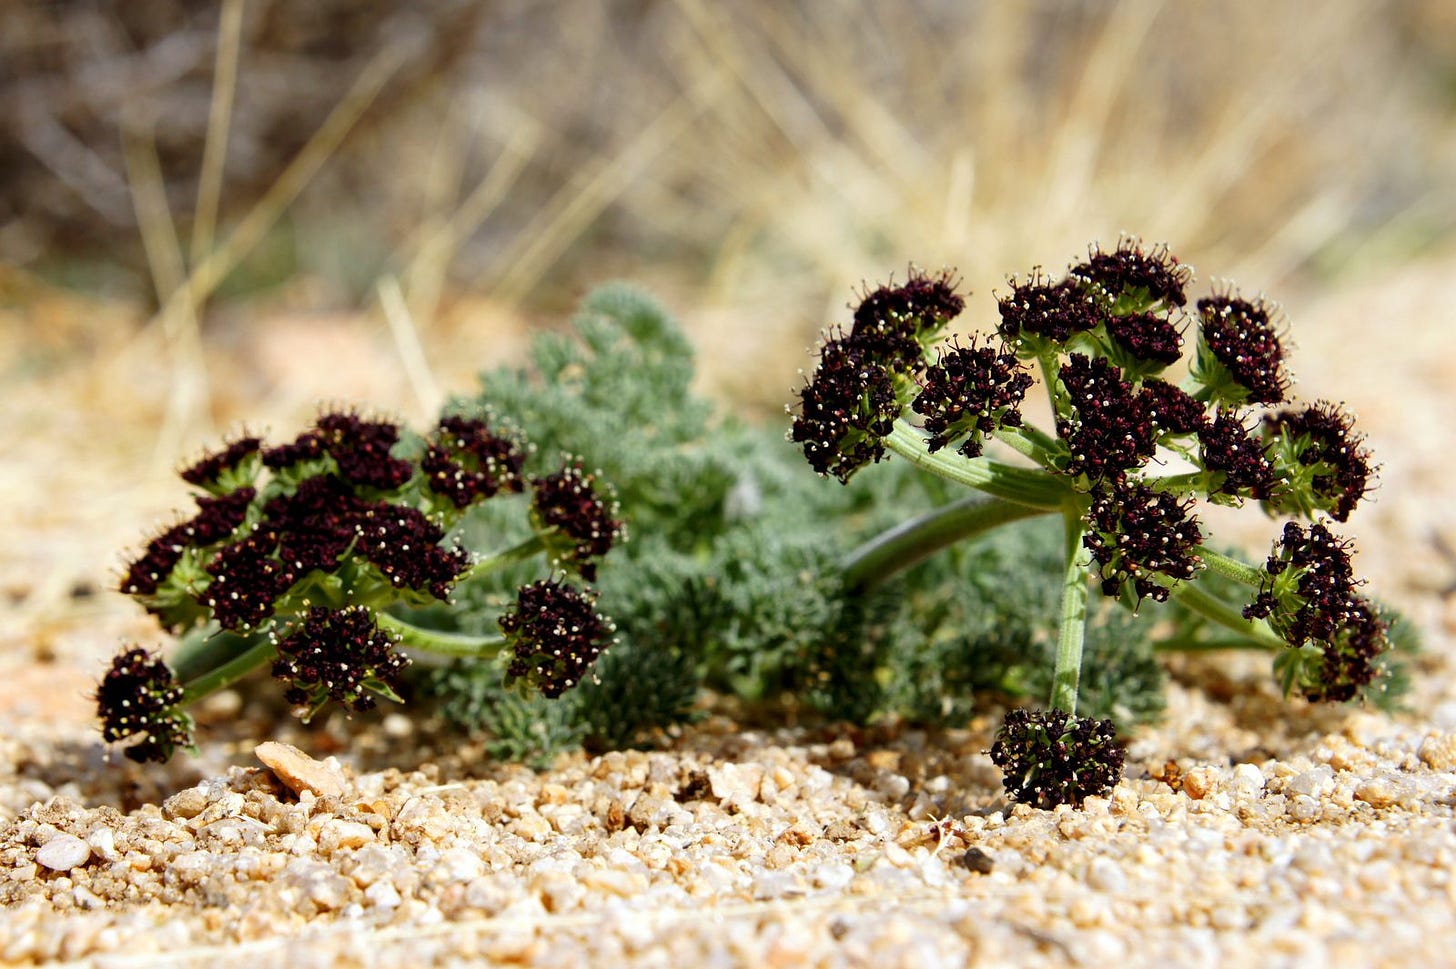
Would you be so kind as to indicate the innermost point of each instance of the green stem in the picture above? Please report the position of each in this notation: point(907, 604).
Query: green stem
point(1210, 606)
point(1023, 486)
point(1180, 484)
point(904, 545)
point(437, 641)
point(224, 676)
point(1231, 568)
point(1189, 644)
point(499, 560)
point(206, 649)
point(1067, 675)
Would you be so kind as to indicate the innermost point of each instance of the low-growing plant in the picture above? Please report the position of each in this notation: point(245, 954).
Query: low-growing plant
point(335, 558)
point(1132, 454)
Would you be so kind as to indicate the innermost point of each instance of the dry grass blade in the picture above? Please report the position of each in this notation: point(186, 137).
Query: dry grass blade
point(206, 276)
point(187, 397)
point(411, 354)
point(214, 151)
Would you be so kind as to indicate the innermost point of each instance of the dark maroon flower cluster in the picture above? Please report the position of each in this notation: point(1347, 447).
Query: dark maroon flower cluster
point(1053, 312)
point(360, 449)
point(845, 411)
point(971, 392)
point(861, 384)
point(340, 655)
point(139, 696)
point(1309, 596)
point(1227, 447)
point(467, 461)
point(1049, 757)
point(1136, 533)
point(1241, 339)
point(894, 324)
point(1135, 274)
point(1170, 408)
point(1109, 431)
point(311, 529)
point(404, 544)
point(1147, 338)
point(1327, 453)
point(576, 521)
point(206, 471)
point(556, 634)
point(216, 519)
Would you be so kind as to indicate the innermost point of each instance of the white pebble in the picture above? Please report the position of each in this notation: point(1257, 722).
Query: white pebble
point(63, 852)
point(1106, 875)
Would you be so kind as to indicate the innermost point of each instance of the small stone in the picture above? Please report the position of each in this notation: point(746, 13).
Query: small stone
point(343, 835)
point(842, 830)
point(978, 861)
point(1315, 782)
point(63, 852)
point(1377, 792)
point(185, 804)
point(735, 784)
point(382, 895)
point(1198, 781)
point(298, 771)
point(1106, 875)
point(1438, 751)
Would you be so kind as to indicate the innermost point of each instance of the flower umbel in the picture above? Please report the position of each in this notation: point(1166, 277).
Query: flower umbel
point(139, 696)
point(1049, 757)
point(339, 655)
point(556, 634)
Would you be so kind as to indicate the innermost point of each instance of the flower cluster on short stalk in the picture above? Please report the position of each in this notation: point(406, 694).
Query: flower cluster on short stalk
point(303, 548)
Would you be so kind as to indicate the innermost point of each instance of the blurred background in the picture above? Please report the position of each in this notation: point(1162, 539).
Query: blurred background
point(223, 213)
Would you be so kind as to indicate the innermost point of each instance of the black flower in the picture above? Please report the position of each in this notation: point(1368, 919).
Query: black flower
point(971, 392)
point(206, 471)
point(1053, 312)
point(467, 461)
point(575, 520)
point(1147, 338)
point(1323, 457)
point(1133, 274)
point(339, 655)
point(139, 696)
point(1241, 357)
point(556, 634)
point(1226, 446)
point(893, 324)
point(217, 518)
point(1049, 757)
point(1170, 409)
point(845, 411)
point(404, 544)
point(246, 582)
point(1109, 430)
point(1136, 533)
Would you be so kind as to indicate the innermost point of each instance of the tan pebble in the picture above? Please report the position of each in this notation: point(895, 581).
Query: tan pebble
point(883, 759)
point(185, 804)
point(63, 852)
point(842, 831)
point(610, 881)
point(345, 835)
point(532, 827)
point(1438, 751)
point(1199, 781)
point(1376, 792)
point(780, 856)
point(298, 771)
point(841, 749)
point(735, 784)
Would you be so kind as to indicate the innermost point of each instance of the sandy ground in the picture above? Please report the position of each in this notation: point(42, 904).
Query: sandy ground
point(1248, 831)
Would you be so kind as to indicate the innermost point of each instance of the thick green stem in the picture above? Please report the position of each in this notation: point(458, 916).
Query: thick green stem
point(910, 542)
point(1189, 644)
point(1210, 606)
point(1035, 489)
point(437, 641)
point(1180, 484)
point(1067, 675)
point(499, 560)
point(1231, 568)
point(207, 648)
point(224, 676)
